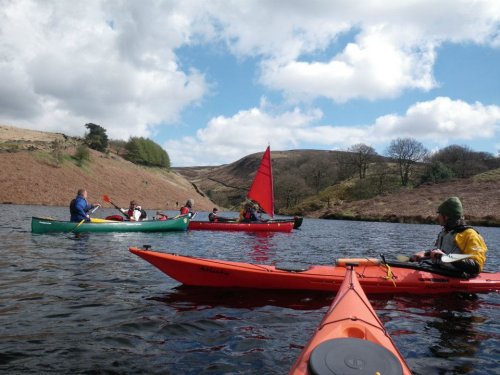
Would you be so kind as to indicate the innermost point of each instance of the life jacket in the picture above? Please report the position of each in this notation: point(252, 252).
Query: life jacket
point(446, 239)
point(184, 210)
point(472, 244)
point(143, 216)
point(247, 215)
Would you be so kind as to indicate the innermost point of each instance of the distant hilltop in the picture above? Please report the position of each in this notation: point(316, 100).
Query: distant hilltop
point(36, 175)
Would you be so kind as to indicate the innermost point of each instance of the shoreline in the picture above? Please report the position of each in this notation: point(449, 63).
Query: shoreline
point(416, 219)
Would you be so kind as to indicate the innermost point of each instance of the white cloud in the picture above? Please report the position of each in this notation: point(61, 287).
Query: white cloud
point(374, 67)
point(394, 48)
point(226, 139)
point(63, 64)
point(442, 119)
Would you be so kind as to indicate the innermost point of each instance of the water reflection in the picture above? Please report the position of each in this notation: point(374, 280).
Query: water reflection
point(457, 324)
point(260, 243)
point(186, 298)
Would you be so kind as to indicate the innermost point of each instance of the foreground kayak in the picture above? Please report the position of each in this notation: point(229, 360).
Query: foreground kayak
point(47, 225)
point(350, 339)
point(280, 226)
point(376, 278)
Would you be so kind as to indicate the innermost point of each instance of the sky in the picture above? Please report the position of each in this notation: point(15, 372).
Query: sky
point(213, 81)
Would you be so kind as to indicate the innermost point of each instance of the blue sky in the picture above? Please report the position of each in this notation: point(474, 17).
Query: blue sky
point(214, 81)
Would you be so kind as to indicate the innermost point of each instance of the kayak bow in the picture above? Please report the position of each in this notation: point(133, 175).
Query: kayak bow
point(350, 339)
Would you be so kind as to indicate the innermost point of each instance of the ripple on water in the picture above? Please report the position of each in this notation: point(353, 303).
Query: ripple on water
point(84, 304)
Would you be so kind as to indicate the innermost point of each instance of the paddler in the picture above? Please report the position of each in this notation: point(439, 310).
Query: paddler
point(248, 213)
point(214, 215)
point(79, 207)
point(188, 208)
point(134, 212)
point(456, 238)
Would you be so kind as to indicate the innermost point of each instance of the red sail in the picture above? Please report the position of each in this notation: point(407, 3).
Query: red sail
point(261, 190)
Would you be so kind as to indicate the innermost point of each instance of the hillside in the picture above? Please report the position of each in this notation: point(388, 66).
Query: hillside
point(228, 184)
point(480, 197)
point(31, 175)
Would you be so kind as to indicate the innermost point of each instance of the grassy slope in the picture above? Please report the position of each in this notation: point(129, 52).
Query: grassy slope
point(480, 196)
point(33, 179)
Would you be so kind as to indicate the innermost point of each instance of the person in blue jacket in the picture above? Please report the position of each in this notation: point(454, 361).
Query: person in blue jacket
point(79, 207)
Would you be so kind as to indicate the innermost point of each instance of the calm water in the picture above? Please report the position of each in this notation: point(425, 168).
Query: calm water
point(87, 305)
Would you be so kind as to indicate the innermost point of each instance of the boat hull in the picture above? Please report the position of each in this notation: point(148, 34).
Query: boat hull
point(375, 279)
point(350, 337)
point(46, 225)
point(280, 226)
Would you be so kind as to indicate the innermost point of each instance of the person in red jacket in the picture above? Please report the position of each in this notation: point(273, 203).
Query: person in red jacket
point(187, 208)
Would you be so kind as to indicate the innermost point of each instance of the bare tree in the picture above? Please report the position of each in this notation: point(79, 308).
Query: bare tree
point(361, 156)
point(289, 190)
point(407, 152)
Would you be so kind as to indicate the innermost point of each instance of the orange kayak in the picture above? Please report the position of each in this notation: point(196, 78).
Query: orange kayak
point(351, 339)
point(374, 276)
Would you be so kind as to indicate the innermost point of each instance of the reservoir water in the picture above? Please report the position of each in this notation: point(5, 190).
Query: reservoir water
point(85, 304)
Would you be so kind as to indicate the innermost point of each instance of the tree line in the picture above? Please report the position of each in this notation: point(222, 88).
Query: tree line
point(138, 150)
point(406, 162)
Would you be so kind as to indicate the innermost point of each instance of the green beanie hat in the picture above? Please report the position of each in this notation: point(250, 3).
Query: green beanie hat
point(452, 207)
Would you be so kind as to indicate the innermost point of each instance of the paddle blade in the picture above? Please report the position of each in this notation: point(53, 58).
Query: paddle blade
point(402, 258)
point(454, 257)
point(106, 199)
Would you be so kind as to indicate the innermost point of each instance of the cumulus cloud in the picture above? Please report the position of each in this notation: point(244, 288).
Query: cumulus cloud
point(65, 64)
point(394, 47)
point(372, 68)
point(226, 139)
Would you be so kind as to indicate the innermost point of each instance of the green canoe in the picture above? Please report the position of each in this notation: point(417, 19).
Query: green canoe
point(47, 225)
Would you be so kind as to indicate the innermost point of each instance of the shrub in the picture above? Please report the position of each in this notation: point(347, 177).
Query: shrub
point(437, 172)
point(146, 152)
point(57, 151)
point(82, 155)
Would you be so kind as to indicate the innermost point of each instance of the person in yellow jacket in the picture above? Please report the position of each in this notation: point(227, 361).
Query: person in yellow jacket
point(456, 238)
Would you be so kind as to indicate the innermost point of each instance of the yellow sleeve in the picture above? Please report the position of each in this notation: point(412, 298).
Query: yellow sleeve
point(471, 242)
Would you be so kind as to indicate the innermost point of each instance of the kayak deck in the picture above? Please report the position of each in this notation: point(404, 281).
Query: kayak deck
point(374, 278)
point(350, 337)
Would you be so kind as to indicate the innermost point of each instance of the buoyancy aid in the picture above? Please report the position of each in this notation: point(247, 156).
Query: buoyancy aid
point(463, 240)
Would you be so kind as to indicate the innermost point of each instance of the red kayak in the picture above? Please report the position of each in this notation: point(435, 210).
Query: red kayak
point(375, 276)
point(256, 226)
point(351, 339)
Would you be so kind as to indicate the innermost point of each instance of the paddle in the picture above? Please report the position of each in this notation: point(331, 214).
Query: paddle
point(81, 222)
point(106, 199)
point(450, 258)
